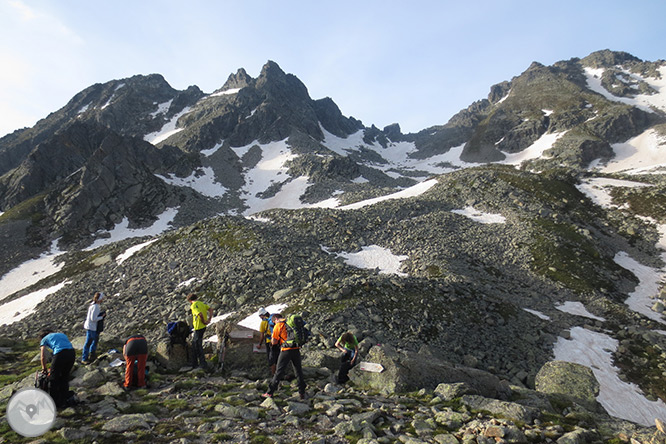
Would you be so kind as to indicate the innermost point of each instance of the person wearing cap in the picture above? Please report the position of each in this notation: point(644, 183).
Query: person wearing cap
point(90, 325)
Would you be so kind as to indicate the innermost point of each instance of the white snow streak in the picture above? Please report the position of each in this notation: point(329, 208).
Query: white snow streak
point(481, 217)
point(645, 153)
point(30, 272)
point(374, 257)
point(132, 250)
point(168, 130)
point(14, 311)
point(534, 151)
point(202, 180)
point(578, 309)
point(122, 231)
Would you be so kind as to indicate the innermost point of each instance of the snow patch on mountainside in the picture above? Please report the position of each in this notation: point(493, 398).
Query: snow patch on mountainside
point(374, 257)
point(534, 151)
point(201, 180)
point(30, 272)
point(578, 309)
point(122, 231)
point(132, 251)
point(480, 216)
point(162, 108)
point(619, 398)
point(270, 171)
point(415, 190)
point(598, 189)
point(646, 102)
point(14, 311)
point(650, 279)
point(397, 155)
point(168, 130)
point(645, 153)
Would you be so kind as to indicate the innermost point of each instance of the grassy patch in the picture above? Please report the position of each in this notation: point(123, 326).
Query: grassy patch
point(642, 201)
point(648, 373)
point(564, 255)
point(235, 237)
point(30, 209)
point(144, 407)
point(259, 438)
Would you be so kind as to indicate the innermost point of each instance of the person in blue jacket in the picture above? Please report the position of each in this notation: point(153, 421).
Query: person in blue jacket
point(61, 364)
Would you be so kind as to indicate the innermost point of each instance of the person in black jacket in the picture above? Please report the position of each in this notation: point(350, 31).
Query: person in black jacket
point(135, 351)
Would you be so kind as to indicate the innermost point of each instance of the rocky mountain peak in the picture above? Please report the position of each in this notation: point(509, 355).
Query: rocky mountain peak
point(607, 58)
point(240, 79)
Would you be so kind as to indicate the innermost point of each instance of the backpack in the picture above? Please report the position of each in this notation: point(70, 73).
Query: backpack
point(178, 332)
point(297, 333)
point(100, 323)
point(271, 324)
point(42, 381)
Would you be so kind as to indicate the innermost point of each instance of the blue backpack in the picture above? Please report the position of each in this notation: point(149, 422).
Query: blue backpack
point(178, 332)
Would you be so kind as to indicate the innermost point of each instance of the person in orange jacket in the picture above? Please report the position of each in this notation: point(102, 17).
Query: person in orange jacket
point(289, 352)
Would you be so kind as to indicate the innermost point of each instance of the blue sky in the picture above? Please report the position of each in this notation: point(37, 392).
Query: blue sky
point(414, 63)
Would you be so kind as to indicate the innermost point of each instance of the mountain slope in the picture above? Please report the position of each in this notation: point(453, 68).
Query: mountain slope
point(489, 254)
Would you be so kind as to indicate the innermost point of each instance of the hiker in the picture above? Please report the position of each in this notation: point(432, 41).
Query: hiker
point(201, 316)
point(93, 317)
point(290, 351)
point(266, 329)
point(135, 351)
point(348, 344)
point(61, 364)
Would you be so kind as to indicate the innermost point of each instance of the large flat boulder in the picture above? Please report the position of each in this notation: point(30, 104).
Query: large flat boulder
point(406, 371)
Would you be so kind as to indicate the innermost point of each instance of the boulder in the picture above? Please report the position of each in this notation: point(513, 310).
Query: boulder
point(322, 358)
point(569, 382)
point(504, 409)
point(172, 357)
point(125, 423)
point(406, 371)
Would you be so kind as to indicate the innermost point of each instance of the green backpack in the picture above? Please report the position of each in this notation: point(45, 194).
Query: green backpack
point(297, 333)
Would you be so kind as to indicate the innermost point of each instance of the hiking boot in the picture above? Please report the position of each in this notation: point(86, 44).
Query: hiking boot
point(267, 395)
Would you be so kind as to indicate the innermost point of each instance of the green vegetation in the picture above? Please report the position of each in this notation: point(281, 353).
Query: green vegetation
point(564, 255)
point(30, 209)
point(17, 364)
point(235, 237)
point(643, 364)
point(646, 201)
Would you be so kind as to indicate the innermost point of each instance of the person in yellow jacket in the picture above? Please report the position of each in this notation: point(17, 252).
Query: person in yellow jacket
point(201, 316)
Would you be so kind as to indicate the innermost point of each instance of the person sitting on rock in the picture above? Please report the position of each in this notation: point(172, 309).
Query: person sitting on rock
point(135, 351)
point(61, 364)
point(348, 344)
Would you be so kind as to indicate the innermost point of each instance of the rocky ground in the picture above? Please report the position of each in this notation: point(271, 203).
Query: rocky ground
point(192, 406)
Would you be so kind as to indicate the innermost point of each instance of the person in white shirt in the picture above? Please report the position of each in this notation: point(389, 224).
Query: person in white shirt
point(90, 325)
